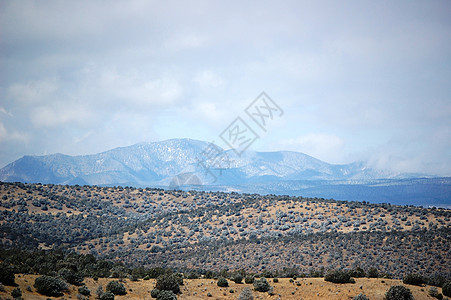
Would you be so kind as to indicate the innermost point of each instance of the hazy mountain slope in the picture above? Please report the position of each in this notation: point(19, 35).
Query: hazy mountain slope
point(191, 164)
point(140, 163)
point(159, 162)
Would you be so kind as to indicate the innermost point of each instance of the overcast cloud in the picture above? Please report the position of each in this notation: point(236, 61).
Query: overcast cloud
point(357, 80)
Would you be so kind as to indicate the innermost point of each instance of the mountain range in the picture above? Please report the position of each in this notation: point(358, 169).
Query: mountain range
point(193, 164)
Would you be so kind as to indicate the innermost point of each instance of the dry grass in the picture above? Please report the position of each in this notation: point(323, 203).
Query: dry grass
point(303, 288)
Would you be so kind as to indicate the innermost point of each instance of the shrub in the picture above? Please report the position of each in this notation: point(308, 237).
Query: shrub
point(154, 293)
point(275, 280)
point(261, 285)
point(222, 282)
point(360, 297)
point(414, 279)
point(2, 287)
point(107, 296)
point(267, 274)
point(246, 294)
point(71, 277)
point(437, 280)
point(168, 282)
point(433, 292)
point(373, 273)
point(357, 273)
point(193, 275)
point(446, 289)
point(338, 276)
point(99, 291)
point(84, 290)
point(16, 292)
point(50, 286)
point(179, 277)
point(116, 288)
point(398, 292)
point(271, 291)
point(237, 278)
point(166, 295)
point(6, 275)
point(249, 279)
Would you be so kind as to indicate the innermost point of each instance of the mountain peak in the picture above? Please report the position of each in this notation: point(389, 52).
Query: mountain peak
point(156, 163)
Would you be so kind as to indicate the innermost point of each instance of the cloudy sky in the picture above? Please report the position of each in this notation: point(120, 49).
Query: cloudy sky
point(357, 80)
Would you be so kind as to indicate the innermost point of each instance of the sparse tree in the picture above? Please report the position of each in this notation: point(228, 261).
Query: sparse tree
point(398, 292)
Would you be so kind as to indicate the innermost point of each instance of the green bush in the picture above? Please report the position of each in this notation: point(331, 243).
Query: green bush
point(338, 276)
point(360, 297)
point(209, 275)
point(99, 291)
point(433, 292)
point(84, 290)
point(16, 293)
point(222, 282)
point(179, 277)
point(6, 275)
point(168, 282)
point(249, 279)
point(107, 296)
point(398, 292)
point(193, 275)
point(166, 295)
point(373, 273)
point(261, 285)
point(446, 289)
point(414, 279)
point(71, 277)
point(357, 273)
point(50, 286)
point(437, 280)
point(275, 280)
point(154, 293)
point(116, 288)
point(237, 278)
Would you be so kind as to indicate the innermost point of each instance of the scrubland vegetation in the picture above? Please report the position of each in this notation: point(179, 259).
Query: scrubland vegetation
point(76, 236)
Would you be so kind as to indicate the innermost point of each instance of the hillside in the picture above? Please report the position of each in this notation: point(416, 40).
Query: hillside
point(216, 230)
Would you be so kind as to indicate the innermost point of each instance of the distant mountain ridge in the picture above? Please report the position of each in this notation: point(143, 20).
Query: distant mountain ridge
point(158, 162)
point(183, 163)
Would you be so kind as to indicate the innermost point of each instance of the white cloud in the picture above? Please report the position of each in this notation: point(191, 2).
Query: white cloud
point(60, 115)
point(3, 132)
point(34, 91)
point(84, 77)
point(209, 79)
point(323, 146)
point(13, 136)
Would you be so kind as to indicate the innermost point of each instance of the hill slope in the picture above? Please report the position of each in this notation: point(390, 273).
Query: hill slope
point(213, 230)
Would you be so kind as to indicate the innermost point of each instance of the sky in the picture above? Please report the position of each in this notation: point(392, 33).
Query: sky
point(356, 80)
